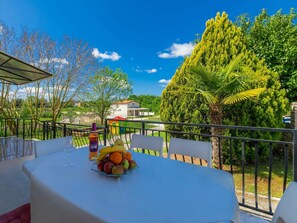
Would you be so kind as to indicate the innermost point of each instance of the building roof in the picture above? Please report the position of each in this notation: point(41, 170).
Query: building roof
point(124, 102)
point(119, 118)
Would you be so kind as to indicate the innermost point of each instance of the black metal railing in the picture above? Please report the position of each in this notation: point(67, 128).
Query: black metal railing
point(260, 159)
point(43, 130)
point(80, 133)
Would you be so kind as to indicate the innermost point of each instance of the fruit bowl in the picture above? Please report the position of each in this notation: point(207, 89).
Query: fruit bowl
point(95, 168)
point(114, 160)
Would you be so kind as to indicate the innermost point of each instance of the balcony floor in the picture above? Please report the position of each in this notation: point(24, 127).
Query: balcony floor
point(14, 184)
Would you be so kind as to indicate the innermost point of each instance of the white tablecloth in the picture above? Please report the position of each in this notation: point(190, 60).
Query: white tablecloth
point(160, 190)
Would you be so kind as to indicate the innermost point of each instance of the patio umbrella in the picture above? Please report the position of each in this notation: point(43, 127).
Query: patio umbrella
point(18, 72)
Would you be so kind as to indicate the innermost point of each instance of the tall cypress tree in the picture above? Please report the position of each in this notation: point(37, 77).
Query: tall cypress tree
point(221, 43)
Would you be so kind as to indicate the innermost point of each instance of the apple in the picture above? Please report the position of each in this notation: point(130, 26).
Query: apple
point(132, 164)
point(108, 167)
point(117, 170)
point(125, 164)
point(101, 166)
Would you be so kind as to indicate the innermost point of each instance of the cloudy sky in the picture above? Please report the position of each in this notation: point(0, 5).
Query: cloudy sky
point(148, 39)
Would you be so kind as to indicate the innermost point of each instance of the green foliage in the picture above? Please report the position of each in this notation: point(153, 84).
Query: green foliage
point(47, 114)
point(274, 39)
point(105, 87)
point(221, 43)
point(147, 101)
point(228, 86)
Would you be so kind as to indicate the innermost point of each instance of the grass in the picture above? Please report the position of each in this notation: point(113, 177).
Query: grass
point(277, 177)
point(154, 118)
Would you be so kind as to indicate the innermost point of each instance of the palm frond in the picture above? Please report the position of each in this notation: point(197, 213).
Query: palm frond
point(208, 96)
point(241, 96)
point(232, 66)
point(200, 71)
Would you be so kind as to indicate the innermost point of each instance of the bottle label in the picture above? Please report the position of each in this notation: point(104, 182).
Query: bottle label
point(93, 146)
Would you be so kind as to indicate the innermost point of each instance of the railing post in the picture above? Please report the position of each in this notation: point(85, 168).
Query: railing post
point(143, 128)
point(105, 132)
point(17, 128)
point(31, 133)
point(47, 129)
point(295, 155)
point(5, 128)
point(64, 130)
point(143, 132)
point(23, 128)
point(43, 131)
point(54, 129)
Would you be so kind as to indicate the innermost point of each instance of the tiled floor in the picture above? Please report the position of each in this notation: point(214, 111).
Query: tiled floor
point(14, 184)
point(249, 218)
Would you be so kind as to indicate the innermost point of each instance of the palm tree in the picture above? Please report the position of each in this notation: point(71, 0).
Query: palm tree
point(230, 85)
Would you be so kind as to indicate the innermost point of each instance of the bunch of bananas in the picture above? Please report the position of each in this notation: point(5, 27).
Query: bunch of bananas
point(118, 146)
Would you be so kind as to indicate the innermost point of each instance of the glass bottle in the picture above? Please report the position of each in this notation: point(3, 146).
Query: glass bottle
point(93, 139)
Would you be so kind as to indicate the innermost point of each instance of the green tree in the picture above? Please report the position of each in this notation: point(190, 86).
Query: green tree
point(221, 43)
point(105, 87)
point(274, 39)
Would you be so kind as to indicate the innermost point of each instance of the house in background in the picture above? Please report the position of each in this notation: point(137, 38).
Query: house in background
point(127, 108)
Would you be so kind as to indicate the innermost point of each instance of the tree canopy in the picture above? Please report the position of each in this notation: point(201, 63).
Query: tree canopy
point(105, 87)
point(274, 39)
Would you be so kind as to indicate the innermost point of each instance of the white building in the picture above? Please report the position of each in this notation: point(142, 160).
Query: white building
point(127, 108)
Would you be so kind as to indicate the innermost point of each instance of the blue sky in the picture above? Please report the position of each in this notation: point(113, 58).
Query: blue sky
point(146, 38)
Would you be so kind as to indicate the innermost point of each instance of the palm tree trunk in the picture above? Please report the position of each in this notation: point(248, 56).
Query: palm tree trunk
point(216, 118)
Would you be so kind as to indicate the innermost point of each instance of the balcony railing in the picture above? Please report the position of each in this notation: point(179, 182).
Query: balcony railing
point(262, 166)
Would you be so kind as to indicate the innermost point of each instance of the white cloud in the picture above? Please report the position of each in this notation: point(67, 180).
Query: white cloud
point(178, 50)
point(106, 55)
point(138, 70)
point(1, 29)
point(164, 82)
point(151, 71)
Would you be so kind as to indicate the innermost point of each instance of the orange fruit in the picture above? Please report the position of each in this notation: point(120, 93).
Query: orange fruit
point(128, 156)
point(116, 157)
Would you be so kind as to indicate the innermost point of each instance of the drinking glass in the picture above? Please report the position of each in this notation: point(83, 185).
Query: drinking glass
point(68, 147)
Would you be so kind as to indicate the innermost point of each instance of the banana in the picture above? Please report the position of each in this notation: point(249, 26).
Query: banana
point(118, 142)
point(110, 149)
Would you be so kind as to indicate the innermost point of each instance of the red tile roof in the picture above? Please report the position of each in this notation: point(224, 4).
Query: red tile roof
point(118, 118)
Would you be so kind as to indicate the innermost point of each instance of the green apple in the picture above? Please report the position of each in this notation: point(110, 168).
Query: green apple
point(125, 164)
